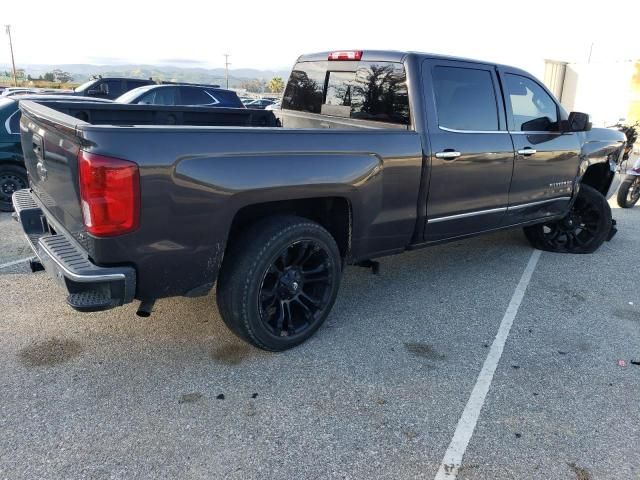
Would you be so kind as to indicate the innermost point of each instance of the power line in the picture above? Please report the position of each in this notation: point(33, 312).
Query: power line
point(13, 62)
point(226, 68)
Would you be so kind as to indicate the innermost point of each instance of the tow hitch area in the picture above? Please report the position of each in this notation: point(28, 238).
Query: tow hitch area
point(35, 265)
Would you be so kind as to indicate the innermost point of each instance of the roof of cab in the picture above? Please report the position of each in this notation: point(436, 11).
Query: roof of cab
point(399, 56)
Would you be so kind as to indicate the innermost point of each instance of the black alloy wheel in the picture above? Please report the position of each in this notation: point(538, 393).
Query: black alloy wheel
point(582, 230)
point(12, 178)
point(296, 288)
point(279, 281)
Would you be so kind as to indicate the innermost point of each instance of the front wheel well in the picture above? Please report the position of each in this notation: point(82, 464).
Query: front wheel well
point(333, 213)
point(598, 176)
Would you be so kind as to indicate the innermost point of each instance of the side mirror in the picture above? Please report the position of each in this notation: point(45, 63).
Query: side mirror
point(578, 122)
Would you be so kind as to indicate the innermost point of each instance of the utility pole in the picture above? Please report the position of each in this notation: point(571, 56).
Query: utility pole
point(226, 68)
point(590, 52)
point(13, 62)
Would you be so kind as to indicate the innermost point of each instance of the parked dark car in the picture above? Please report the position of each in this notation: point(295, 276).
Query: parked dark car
point(259, 103)
point(13, 91)
point(377, 152)
point(110, 87)
point(203, 95)
point(13, 175)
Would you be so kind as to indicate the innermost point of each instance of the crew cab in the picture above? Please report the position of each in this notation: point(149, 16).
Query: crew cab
point(373, 153)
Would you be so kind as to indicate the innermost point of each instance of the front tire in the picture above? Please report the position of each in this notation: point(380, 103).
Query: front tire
point(629, 191)
point(583, 230)
point(12, 178)
point(279, 282)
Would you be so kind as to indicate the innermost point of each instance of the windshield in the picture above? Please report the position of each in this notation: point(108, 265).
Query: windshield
point(85, 86)
point(131, 95)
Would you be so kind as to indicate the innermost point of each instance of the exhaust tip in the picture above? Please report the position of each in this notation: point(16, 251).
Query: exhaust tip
point(145, 308)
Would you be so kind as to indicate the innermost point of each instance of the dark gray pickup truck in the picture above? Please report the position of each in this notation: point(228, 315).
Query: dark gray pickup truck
point(372, 154)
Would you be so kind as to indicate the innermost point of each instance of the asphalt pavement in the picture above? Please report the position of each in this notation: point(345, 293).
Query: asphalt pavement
point(376, 393)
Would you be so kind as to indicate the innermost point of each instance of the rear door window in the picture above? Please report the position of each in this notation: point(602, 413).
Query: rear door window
point(465, 99)
point(375, 91)
point(114, 87)
point(225, 98)
point(160, 96)
point(196, 96)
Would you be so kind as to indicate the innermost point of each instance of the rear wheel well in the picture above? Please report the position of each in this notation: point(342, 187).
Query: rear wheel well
point(333, 213)
point(12, 161)
point(598, 176)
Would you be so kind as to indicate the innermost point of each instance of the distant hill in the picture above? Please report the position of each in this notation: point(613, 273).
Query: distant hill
point(82, 72)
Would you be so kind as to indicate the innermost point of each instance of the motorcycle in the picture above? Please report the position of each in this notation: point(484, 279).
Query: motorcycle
point(629, 191)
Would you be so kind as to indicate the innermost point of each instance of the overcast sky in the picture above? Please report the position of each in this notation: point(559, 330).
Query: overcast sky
point(272, 34)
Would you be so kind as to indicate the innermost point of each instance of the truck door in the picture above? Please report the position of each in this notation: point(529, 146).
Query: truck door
point(471, 158)
point(546, 162)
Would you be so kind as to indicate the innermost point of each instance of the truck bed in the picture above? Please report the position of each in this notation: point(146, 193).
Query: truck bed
point(128, 115)
point(197, 174)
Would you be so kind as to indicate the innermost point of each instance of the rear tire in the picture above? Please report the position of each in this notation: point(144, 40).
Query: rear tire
point(629, 191)
point(583, 230)
point(12, 178)
point(279, 282)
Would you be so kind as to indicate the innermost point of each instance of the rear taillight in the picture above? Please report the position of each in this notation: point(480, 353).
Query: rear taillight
point(346, 55)
point(110, 194)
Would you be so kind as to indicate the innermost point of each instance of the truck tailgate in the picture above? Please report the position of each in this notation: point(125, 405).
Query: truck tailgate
point(50, 147)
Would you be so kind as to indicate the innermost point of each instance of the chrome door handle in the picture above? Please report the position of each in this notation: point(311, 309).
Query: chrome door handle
point(527, 151)
point(448, 154)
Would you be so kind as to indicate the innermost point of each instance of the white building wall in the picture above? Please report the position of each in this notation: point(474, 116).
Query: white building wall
point(554, 74)
point(603, 90)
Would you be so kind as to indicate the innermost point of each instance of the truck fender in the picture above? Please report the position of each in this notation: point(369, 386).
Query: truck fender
point(233, 182)
point(599, 157)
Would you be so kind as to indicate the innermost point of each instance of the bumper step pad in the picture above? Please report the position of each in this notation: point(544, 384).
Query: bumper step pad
point(90, 287)
point(89, 301)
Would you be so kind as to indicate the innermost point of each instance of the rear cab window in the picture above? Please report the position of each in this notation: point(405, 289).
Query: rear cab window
point(373, 91)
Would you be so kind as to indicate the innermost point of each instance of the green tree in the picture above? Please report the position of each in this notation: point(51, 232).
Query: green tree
point(254, 85)
point(276, 85)
point(49, 77)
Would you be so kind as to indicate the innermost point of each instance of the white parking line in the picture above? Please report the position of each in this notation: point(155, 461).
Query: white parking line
point(15, 262)
point(466, 425)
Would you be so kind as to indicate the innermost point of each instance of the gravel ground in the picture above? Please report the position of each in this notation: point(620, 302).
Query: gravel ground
point(376, 393)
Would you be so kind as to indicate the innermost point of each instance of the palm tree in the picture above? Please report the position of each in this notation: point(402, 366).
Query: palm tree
point(276, 85)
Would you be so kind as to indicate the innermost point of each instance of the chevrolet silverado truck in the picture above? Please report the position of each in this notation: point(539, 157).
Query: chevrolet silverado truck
point(373, 153)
